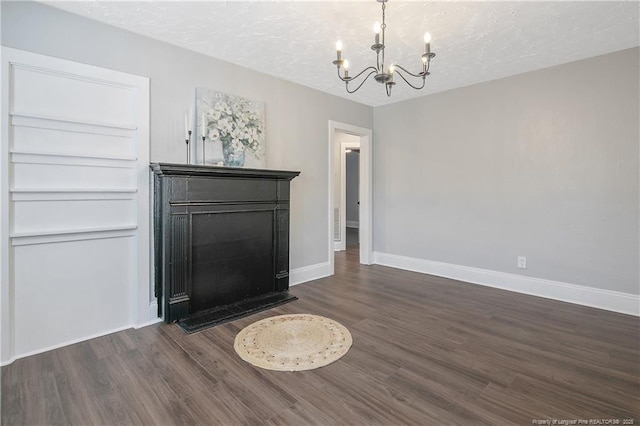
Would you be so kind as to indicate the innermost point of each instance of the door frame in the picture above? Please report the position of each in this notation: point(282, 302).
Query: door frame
point(365, 189)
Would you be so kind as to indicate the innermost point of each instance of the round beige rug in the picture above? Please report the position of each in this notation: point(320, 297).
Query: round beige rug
point(293, 342)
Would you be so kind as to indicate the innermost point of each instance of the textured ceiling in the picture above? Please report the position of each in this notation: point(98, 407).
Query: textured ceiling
point(294, 40)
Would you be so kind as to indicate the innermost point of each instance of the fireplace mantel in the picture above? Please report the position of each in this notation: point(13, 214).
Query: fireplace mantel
point(221, 235)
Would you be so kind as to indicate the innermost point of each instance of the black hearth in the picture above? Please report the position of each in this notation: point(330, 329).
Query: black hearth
point(221, 239)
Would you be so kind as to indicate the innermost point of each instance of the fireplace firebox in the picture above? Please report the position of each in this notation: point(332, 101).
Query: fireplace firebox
point(221, 239)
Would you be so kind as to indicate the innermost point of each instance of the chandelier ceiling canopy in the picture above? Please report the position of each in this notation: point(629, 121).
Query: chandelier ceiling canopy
point(379, 72)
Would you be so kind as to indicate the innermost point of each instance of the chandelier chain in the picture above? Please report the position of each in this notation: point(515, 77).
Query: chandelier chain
point(382, 27)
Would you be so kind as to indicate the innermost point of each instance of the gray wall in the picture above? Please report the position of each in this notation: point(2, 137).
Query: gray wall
point(543, 165)
point(352, 181)
point(297, 117)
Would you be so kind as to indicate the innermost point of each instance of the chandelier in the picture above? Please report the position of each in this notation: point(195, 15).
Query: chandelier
point(380, 74)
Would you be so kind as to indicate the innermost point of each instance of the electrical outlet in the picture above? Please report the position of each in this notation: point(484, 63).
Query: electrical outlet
point(522, 262)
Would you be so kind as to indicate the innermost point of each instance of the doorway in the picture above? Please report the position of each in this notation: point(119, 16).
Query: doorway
point(347, 207)
point(351, 201)
point(342, 137)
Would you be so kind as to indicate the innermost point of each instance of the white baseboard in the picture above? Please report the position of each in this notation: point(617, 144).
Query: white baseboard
point(309, 273)
point(337, 246)
point(60, 345)
point(148, 323)
point(153, 312)
point(153, 315)
point(7, 362)
point(352, 224)
point(588, 296)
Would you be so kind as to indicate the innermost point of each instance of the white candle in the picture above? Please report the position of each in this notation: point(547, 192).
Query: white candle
point(203, 126)
point(186, 127)
point(427, 43)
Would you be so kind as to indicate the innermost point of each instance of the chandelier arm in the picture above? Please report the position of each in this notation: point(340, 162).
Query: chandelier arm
point(372, 68)
point(407, 81)
point(409, 72)
point(363, 81)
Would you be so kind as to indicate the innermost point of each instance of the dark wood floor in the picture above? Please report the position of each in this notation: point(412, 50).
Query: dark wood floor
point(426, 350)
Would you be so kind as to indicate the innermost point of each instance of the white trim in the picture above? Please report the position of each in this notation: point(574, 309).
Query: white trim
point(337, 246)
point(17, 116)
point(310, 273)
point(66, 235)
point(72, 160)
point(148, 323)
point(365, 190)
point(105, 75)
point(142, 289)
point(365, 194)
point(353, 224)
point(330, 204)
point(54, 194)
point(67, 343)
point(588, 296)
point(138, 161)
point(7, 338)
point(153, 314)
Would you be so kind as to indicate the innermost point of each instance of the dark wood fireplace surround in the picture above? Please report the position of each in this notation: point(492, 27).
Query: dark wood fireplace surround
point(221, 236)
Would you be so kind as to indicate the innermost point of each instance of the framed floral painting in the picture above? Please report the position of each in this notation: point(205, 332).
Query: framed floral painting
point(233, 130)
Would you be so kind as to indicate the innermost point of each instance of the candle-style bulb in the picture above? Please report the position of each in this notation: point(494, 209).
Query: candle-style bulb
point(392, 68)
point(427, 43)
point(338, 53)
point(376, 30)
point(346, 64)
